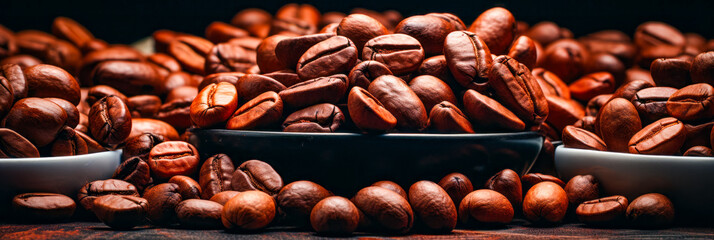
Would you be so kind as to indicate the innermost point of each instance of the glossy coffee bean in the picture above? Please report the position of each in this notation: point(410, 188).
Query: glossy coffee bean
point(70, 109)
point(322, 117)
point(214, 104)
point(50, 81)
point(365, 72)
point(200, 214)
point(70, 30)
point(250, 86)
point(574, 137)
point(566, 58)
point(36, 119)
point(468, 58)
point(286, 77)
point(591, 85)
point(98, 92)
point(218, 32)
point(297, 200)
point(332, 56)
point(143, 106)
point(249, 210)
point(671, 72)
point(629, 89)
point(265, 54)
point(545, 32)
point(518, 90)
point(387, 209)
point(429, 30)
point(651, 103)
point(171, 158)
point(508, 183)
point(582, 188)
point(226, 57)
point(698, 151)
point(360, 28)
point(165, 64)
point(188, 188)
point(651, 210)
point(121, 212)
point(650, 34)
point(485, 206)
point(33, 42)
point(140, 146)
point(617, 122)
point(562, 112)
point(531, 179)
point(68, 143)
point(264, 110)
point(400, 101)
point(163, 199)
point(433, 206)
point(135, 171)
point(256, 175)
point(223, 197)
point(191, 52)
point(595, 104)
point(497, 28)
point(176, 112)
point(603, 211)
point(446, 117)
point(289, 50)
point(606, 62)
point(129, 77)
point(328, 89)
point(92, 145)
point(691, 103)
point(523, 50)
point(368, 113)
point(91, 191)
point(162, 38)
point(663, 137)
point(701, 68)
point(391, 186)
point(488, 113)
point(545, 202)
point(14, 74)
point(14, 145)
point(457, 186)
point(8, 44)
point(400, 52)
point(63, 54)
point(431, 91)
point(436, 66)
point(43, 206)
point(110, 121)
point(334, 216)
point(215, 175)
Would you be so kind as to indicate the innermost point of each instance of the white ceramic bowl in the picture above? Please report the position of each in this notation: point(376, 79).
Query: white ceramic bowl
point(687, 181)
point(64, 175)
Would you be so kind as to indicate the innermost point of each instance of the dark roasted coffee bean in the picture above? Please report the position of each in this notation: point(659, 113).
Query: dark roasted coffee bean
point(485, 206)
point(92, 145)
point(652, 34)
point(329, 89)
point(298, 198)
point(226, 57)
point(497, 27)
point(400, 52)
point(699, 151)
point(457, 186)
point(188, 188)
point(617, 122)
point(367, 113)
point(701, 68)
point(135, 171)
point(198, 213)
point(693, 102)
point(387, 209)
point(49, 81)
point(489, 113)
point(596, 103)
point(36, 119)
point(71, 30)
point(110, 121)
point(90, 191)
point(545, 202)
point(33, 42)
point(68, 143)
point(508, 183)
point(64, 55)
point(215, 176)
point(663, 137)
point(400, 101)
point(671, 72)
point(286, 77)
point(214, 104)
point(171, 158)
point(334, 216)
point(163, 199)
point(429, 30)
point(191, 52)
point(141, 145)
point(446, 117)
point(566, 58)
point(651, 210)
point(574, 137)
point(603, 211)
point(43, 206)
point(562, 112)
point(265, 54)
point(433, 206)
point(651, 103)
point(514, 84)
point(249, 210)
point(524, 51)
point(15, 145)
point(257, 175)
point(143, 106)
point(262, 111)
point(114, 53)
point(431, 91)
point(322, 117)
point(250, 86)
point(129, 77)
point(582, 188)
point(289, 50)
point(469, 59)
point(365, 72)
point(15, 75)
point(550, 83)
point(360, 28)
point(121, 212)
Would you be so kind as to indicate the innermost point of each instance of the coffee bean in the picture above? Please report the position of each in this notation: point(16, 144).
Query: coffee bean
point(171, 158)
point(250, 86)
point(188, 188)
point(603, 211)
point(368, 113)
point(574, 137)
point(671, 72)
point(617, 122)
point(523, 50)
point(121, 212)
point(257, 175)
point(400, 52)
point(70, 109)
point(698, 151)
point(198, 213)
point(49, 81)
point(249, 210)
point(582, 188)
point(691, 103)
point(429, 30)
point(431, 91)
point(391, 186)
point(497, 28)
point(15, 75)
point(488, 113)
point(665, 137)
point(563, 112)
point(650, 34)
point(457, 186)
point(91, 191)
point(223, 197)
point(218, 32)
point(162, 201)
point(297, 200)
point(508, 183)
point(432, 206)
point(68, 143)
point(262, 111)
point(446, 117)
point(226, 57)
point(468, 58)
point(110, 121)
point(215, 175)
point(595, 104)
point(214, 104)
point(71, 30)
point(289, 50)
point(360, 28)
point(334, 216)
point(43, 206)
point(143, 106)
point(191, 52)
point(528, 180)
point(518, 90)
point(329, 89)
point(390, 211)
point(651, 210)
point(400, 101)
point(591, 85)
point(332, 56)
point(129, 77)
point(545, 202)
point(36, 119)
point(135, 171)
point(12, 144)
point(651, 103)
point(701, 68)
point(140, 146)
point(485, 206)
point(566, 58)
point(322, 117)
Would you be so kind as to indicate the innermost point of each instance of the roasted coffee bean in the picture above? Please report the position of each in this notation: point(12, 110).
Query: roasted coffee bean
point(400, 52)
point(18, 83)
point(214, 104)
point(453, 20)
point(223, 197)
point(181, 93)
point(574, 137)
point(256, 175)
point(671, 72)
point(226, 57)
point(177, 113)
point(497, 28)
point(603, 211)
point(323, 117)
point(663, 137)
point(289, 50)
point(617, 122)
point(693, 102)
point(651, 103)
point(165, 64)
point(188, 188)
point(135, 171)
point(292, 25)
point(365, 72)
point(591, 85)
point(49, 81)
point(171, 158)
point(367, 113)
point(298, 198)
point(215, 176)
point(92, 145)
point(36, 119)
point(436, 66)
point(391, 186)
point(433, 206)
point(250, 86)
point(489, 113)
point(191, 52)
point(43, 206)
point(143, 106)
point(651, 34)
point(446, 117)
point(514, 84)
point(256, 21)
point(93, 45)
point(549, 131)
point(114, 53)
point(110, 121)
point(582, 188)
point(70, 109)
point(595, 104)
point(71, 30)
point(218, 32)
point(566, 58)
point(508, 183)
point(8, 44)
point(266, 59)
point(606, 62)
point(131, 78)
point(198, 213)
point(528, 180)
point(545, 202)
point(334, 216)
point(629, 89)
point(524, 51)
point(429, 30)
point(485, 206)
point(699, 151)
point(182, 79)
point(651, 210)
point(286, 77)
point(64, 55)
point(90, 191)
point(249, 210)
point(262, 111)
point(400, 101)
point(163, 199)
point(162, 38)
point(121, 212)
point(698, 134)
point(701, 68)
point(385, 208)
point(468, 58)
point(97, 92)
point(15, 145)
point(431, 91)
point(546, 32)
point(457, 186)
point(68, 143)
point(140, 146)
point(562, 112)
point(360, 28)
point(328, 89)
point(33, 42)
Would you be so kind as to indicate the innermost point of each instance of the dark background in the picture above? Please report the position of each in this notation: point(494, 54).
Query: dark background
point(129, 20)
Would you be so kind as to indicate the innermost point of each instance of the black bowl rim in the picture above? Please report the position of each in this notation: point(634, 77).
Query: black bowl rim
point(514, 135)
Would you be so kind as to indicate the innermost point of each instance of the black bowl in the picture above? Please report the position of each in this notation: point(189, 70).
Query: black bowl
point(346, 162)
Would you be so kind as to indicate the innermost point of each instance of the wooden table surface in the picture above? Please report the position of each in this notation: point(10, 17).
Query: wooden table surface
point(517, 230)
